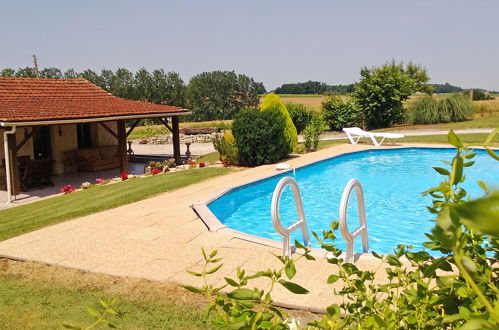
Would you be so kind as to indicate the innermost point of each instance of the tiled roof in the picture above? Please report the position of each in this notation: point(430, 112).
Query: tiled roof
point(36, 99)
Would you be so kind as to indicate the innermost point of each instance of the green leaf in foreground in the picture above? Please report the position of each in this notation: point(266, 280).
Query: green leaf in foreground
point(293, 287)
point(243, 294)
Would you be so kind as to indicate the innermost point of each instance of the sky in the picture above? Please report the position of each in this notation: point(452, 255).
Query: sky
point(273, 41)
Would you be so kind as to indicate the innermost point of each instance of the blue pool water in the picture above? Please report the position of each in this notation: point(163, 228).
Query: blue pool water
point(392, 181)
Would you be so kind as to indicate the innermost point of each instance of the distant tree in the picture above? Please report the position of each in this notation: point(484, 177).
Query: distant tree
point(91, 76)
point(144, 85)
point(313, 87)
point(27, 72)
point(122, 84)
point(106, 79)
point(260, 88)
point(8, 72)
point(478, 95)
point(419, 78)
point(70, 73)
point(220, 94)
point(381, 91)
point(51, 73)
point(446, 88)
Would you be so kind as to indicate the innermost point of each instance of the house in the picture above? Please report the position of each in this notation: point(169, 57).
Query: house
point(69, 121)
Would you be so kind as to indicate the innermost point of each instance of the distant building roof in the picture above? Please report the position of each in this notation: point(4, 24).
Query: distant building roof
point(42, 99)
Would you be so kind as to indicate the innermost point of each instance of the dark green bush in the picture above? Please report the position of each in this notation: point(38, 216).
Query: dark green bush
point(427, 110)
point(339, 113)
point(260, 136)
point(300, 115)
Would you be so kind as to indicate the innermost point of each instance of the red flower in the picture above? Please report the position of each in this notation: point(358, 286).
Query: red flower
point(124, 176)
point(100, 181)
point(67, 189)
point(155, 171)
point(201, 164)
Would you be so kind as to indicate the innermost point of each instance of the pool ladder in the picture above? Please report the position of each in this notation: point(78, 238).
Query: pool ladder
point(301, 223)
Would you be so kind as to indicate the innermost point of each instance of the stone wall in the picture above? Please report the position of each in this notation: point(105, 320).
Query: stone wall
point(167, 139)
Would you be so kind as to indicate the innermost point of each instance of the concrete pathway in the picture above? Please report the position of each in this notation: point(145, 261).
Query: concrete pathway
point(159, 238)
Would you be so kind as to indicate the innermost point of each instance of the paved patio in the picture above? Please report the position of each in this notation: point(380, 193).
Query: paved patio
point(160, 237)
point(76, 179)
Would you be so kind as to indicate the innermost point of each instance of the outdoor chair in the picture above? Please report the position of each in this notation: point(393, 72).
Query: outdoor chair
point(37, 173)
point(354, 134)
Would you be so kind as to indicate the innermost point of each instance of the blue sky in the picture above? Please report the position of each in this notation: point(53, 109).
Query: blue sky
point(273, 41)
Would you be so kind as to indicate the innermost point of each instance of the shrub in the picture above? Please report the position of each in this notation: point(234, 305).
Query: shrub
point(460, 107)
point(272, 101)
point(381, 91)
point(226, 147)
point(313, 132)
point(300, 115)
point(427, 110)
point(339, 113)
point(260, 136)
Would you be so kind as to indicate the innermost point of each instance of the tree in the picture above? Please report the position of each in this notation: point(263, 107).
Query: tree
point(27, 72)
point(381, 91)
point(51, 73)
point(221, 94)
point(8, 72)
point(70, 73)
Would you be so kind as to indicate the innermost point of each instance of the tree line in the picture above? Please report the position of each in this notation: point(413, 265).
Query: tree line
point(209, 95)
point(313, 87)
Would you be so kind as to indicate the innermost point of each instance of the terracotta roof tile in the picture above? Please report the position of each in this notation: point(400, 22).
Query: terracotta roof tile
point(34, 99)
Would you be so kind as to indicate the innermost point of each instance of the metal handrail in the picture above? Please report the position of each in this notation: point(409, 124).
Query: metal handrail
point(349, 237)
point(301, 223)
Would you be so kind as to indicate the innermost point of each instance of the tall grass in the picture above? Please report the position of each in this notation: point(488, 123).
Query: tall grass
point(429, 110)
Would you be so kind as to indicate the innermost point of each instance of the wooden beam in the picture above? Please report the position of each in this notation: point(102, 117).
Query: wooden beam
point(122, 146)
point(26, 137)
point(162, 120)
point(130, 130)
point(14, 166)
point(109, 129)
point(176, 140)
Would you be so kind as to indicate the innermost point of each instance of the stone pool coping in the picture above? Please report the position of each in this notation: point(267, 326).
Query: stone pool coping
point(215, 225)
point(159, 238)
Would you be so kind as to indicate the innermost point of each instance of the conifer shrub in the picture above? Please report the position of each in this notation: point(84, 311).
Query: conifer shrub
point(272, 101)
point(261, 136)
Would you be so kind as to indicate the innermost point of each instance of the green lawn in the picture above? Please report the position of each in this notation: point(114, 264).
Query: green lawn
point(27, 302)
point(480, 122)
point(24, 218)
point(477, 138)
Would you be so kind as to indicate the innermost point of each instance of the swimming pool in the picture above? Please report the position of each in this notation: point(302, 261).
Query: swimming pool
point(392, 179)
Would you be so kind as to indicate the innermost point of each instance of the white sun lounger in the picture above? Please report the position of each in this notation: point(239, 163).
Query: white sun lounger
point(354, 134)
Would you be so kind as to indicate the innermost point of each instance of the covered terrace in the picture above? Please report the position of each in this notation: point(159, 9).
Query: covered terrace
point(58, 126)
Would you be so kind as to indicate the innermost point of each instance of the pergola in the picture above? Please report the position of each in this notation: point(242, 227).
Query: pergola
point(35, 102)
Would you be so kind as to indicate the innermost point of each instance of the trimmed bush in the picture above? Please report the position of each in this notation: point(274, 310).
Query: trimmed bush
point(272, 101)
point(427, 110)
point(339, 113)
point(300, 115)
point(260, 136)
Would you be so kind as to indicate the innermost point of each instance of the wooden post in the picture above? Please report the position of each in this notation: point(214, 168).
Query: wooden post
point(15, 179)
point(122, 146)
point(471, 94)
point(176, 140)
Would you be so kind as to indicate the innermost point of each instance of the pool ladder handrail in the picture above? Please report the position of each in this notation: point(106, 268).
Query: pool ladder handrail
point(349, 237)
point(301, 223)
